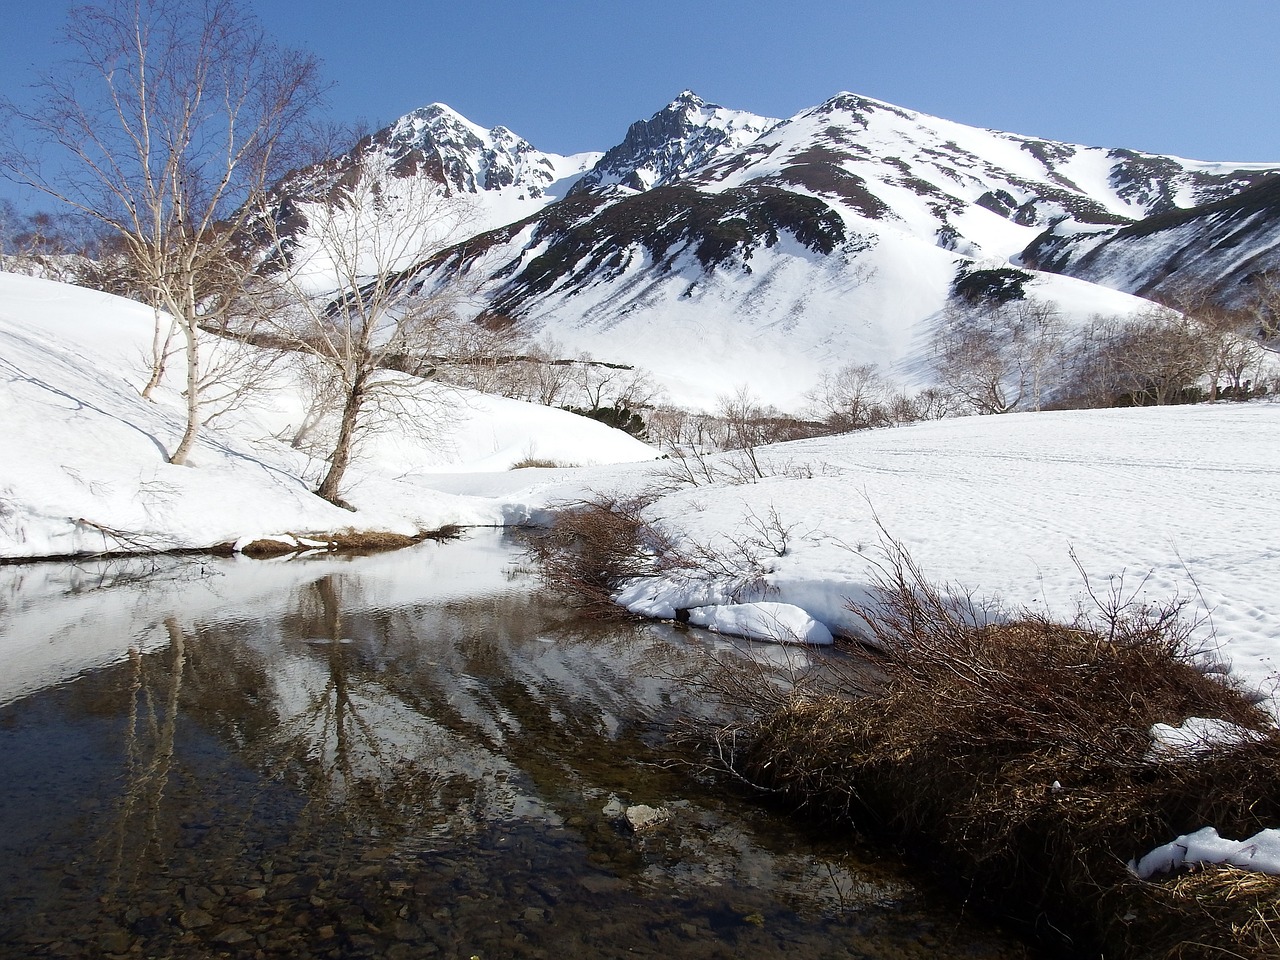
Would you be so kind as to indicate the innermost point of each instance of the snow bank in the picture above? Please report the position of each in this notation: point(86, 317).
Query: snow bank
point(83, 457)
point(1194, 736)
point(775, 622)
point(662, 597)
point(1028, 511)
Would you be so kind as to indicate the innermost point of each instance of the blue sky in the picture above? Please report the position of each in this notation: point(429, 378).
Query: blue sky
point(1194, 78)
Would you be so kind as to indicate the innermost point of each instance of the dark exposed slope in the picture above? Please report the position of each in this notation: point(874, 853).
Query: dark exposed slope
point(1216, 247)
point(582, 241)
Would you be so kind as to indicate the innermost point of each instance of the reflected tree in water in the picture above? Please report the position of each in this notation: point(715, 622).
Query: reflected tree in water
point(152, 719)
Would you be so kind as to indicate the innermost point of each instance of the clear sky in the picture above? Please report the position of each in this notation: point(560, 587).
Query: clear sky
point(1194, 78)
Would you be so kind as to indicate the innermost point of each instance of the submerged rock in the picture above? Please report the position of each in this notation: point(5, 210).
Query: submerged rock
point(644, 817)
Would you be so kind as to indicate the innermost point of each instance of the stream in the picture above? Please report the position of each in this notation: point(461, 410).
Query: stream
point(411, 754)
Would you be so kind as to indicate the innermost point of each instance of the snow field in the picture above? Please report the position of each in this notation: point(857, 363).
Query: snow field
point(1031, 511)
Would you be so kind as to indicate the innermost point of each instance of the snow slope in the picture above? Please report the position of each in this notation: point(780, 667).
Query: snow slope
point(780, 321)
point(83, 463)
point(1157, 502)
point(1217, 248)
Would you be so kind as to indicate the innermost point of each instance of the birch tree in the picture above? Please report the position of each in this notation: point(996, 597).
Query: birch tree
point(851, 398)
point(165, 124)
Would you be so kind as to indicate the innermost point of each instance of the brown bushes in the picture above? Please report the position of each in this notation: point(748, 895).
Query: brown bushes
point(1018, 755)
point(540, 462)
point(594, 545)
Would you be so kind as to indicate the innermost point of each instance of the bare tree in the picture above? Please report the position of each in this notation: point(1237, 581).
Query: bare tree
point(1157, 356)
point(1038, 343)
point(1265, 304)
point(359, 309)
point(1228, 348)
point(667, 428)
point(851, 398)
point(1161, 353)
point(165, 124)
point(1095, 378)
point(747, 424)
point(536, 372)
point(997, 356)
point(1230, 355)
point(930, 403)
point(480, 357)
point(970, 361)
point(601, 385)
point(42, 244)
point(547, 376)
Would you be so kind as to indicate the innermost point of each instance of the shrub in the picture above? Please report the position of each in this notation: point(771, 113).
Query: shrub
point(594, 546)
point(529, 462)
point(1017, 754)
point(993, 286)
point(620, 417)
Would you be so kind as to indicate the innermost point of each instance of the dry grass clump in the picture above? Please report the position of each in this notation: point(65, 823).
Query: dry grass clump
point(1217, 911)
point(375, 541)
point(594, 546)
point(543, 462)
point(344, 541)
point(1018, 755)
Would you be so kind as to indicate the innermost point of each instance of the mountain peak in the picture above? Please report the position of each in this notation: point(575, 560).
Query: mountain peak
point(858, 105)
point(685, 134)
point(686, 98)
point(436, 108)
point(435, 121)
point(438, 143)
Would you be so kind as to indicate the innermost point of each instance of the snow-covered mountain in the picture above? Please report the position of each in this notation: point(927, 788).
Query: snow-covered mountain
point(502, 176)
point(720, 248)
point(948, 180)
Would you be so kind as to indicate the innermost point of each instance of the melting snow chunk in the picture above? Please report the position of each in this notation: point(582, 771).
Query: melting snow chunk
point(1260, 853)
point(775, 622)
point(1195, 736)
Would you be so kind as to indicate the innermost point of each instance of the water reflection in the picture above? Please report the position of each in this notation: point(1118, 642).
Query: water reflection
point(404, 755)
